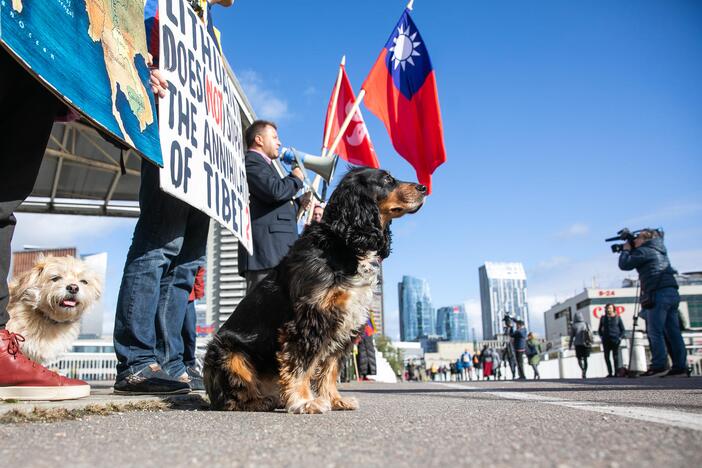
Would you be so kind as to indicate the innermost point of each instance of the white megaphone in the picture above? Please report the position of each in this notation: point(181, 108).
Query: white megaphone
point(324, 166)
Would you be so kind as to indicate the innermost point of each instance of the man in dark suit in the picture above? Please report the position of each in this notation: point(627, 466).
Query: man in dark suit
point(273, 209)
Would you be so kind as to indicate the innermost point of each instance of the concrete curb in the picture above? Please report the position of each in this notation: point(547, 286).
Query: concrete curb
point(100, 395)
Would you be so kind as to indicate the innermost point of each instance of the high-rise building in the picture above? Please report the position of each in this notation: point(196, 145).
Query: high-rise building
point(416, 311)
point(503, 292)
point(452, 323)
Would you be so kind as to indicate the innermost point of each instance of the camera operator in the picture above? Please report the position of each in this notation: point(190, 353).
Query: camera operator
point(659, 300)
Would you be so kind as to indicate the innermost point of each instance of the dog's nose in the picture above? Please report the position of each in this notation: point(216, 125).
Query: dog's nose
point(422, 188)
point(72, 288)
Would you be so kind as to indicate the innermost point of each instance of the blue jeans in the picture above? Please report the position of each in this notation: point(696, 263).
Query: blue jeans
point(189, 335)
point(663, 324)
point(167, 247)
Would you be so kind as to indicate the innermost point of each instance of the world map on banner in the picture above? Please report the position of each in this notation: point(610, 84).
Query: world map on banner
point(93, 54)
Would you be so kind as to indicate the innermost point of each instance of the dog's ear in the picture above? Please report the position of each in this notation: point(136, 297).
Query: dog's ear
point(384, 251)
point(353, 215)
point(26, 287)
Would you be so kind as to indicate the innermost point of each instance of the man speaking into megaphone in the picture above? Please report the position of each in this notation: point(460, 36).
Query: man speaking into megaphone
point(272, 206)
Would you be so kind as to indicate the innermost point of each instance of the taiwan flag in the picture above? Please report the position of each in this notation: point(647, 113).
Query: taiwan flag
point(401, 91)
point(355, 146)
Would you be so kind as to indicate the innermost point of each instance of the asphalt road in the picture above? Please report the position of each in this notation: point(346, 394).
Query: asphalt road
point(598, 422)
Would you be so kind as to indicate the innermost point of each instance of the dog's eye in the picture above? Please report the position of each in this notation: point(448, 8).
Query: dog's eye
point(389, 179)
point(55, 278)
point(83, 281)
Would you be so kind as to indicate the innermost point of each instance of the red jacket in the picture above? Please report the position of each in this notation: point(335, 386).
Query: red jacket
point(198, 291)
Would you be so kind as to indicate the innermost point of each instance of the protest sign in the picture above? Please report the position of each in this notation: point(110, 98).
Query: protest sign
point(93, 55)
point(200, 123)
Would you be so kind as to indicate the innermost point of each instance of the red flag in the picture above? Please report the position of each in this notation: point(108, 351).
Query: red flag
point(355, 147)
point(401, 91)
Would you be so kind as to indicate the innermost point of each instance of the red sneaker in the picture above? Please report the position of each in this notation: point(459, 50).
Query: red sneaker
point(23, 379)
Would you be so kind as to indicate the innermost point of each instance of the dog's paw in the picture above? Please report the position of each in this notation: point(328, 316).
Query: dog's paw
point(309, 407)
point(345, 404)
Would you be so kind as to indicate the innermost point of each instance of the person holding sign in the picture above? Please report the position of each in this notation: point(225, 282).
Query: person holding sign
point(168, 246)
point(273, 210)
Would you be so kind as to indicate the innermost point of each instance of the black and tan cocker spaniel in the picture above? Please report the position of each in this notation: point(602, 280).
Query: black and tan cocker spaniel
point(281, 346)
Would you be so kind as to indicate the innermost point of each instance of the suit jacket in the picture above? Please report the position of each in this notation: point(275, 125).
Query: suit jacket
point(273, 215)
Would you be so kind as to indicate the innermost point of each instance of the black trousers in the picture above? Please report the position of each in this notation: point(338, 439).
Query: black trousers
point(27, 112)
point(613, 348)
point(520, 364)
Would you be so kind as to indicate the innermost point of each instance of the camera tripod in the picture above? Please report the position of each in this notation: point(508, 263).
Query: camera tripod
point(629, 372)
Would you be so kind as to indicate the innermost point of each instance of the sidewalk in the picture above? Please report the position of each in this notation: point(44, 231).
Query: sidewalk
point(102, 400)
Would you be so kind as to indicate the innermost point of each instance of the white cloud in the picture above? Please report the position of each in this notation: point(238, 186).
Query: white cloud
point(264, 101)
point(574, 230)
point(310, 91)
point(62, 230)
point(551, 263)
point(664, 213)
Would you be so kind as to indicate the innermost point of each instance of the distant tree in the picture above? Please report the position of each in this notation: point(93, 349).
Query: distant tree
point(391, 354)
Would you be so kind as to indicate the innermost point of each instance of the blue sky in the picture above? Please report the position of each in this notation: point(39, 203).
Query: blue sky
point(563, 121)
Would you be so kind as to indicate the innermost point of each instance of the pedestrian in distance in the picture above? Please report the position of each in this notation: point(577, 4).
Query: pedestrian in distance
point(611, 331)
point(467, 364)
point(477, 365)
point(533, 353)
point(497, 365)
point(659, 301)
point(487, 362)
point(519, 337)
point(581, 337)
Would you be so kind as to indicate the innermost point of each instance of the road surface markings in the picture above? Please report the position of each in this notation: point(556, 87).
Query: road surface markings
point(670, 418)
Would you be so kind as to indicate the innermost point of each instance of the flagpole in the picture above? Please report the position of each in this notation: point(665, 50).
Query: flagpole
point(347, 121)
point(327, 131)
point(332, 114)
point(409, 5)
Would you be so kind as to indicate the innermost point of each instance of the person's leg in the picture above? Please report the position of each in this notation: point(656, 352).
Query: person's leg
point(157, 240)
point(26, 119)
point(678, 354)
point(189, 335)
point(27, 112)
point(520, 364)
point(175, 292)
point(607, 349)
point(655, 329)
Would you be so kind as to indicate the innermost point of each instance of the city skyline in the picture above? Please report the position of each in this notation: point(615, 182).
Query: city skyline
point(554, 115)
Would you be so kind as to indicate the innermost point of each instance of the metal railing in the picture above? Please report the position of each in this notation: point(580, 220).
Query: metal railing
point(86, 366)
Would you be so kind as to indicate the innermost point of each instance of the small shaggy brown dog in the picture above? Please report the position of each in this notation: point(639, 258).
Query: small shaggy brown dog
point(281, 346)
point(47, 303)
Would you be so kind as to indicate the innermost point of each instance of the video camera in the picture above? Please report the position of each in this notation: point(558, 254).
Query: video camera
point(625, 235)
point(628, 237)
point(507, 319)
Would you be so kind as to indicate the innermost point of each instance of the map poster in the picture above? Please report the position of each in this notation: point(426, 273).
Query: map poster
point(200, 125)
point(93, 54)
